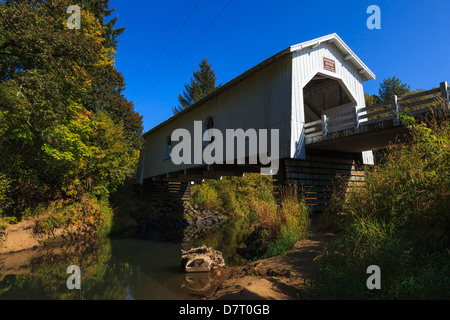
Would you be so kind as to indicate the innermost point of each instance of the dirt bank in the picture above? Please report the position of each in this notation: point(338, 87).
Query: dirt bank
point(22, 236)
point(287, 277)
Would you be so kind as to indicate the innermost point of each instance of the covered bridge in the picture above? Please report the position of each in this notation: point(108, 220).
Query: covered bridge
point(302, 84)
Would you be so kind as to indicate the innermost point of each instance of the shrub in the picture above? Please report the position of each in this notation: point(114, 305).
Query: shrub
point(233, 196)
point(282, 226)
point(399, 221)
point(205, 196)
point(86, 217)
point(5, 185)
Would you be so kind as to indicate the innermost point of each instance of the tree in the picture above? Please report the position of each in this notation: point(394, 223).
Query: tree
point(203, 82)
point(371, 99)
point(107, 95)
point(100, 9)
point(392, 86)
point(66, 129)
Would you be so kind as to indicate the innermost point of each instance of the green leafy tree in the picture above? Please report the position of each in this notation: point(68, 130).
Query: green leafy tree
point(392, 86)
point(107, 95)
point(371, 99)
point(101, 10)
point(203, 82)
point(66, 128)
point(109, 162)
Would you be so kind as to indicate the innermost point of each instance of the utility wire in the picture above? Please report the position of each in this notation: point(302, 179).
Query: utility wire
point(159, 42)
point(170, 41)
point(187, 50)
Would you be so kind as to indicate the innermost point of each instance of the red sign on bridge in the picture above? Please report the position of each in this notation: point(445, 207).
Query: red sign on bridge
point(329, 65)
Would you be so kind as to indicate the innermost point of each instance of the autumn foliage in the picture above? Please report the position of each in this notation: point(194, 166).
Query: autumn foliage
point(66, 130)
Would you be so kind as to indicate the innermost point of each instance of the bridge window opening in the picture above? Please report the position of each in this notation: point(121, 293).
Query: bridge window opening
point(209, 124)
point(322, 94)
point(168, 152)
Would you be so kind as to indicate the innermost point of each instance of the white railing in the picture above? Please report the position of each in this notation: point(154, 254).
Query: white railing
point(357, 120)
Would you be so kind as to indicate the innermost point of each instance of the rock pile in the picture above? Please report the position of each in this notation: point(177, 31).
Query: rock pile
point(202, 218)
point(201, 259)
point(162, 218)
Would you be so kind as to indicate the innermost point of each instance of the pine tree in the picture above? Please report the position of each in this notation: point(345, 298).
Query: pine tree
point(392, 86)
point(203, 82)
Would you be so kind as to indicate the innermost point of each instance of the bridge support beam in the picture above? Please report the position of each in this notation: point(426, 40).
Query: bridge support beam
point(320, 175)
point(165, 190)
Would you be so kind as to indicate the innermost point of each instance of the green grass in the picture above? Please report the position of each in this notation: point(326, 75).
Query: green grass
point(285, 242)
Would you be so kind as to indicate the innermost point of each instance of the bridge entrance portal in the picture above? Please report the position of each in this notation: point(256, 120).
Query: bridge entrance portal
point(323, 95)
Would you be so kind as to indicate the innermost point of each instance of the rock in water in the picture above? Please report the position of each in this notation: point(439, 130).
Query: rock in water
point(201, 259)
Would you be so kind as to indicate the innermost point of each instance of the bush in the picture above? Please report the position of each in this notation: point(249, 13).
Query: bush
point(280, 226)
point(5, 185)
point(86, 217)
point(399, 221)
point(284, 225)
point(233, 196)
point(205, 196)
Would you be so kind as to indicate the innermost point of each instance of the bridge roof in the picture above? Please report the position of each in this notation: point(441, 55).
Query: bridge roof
point(349, 56)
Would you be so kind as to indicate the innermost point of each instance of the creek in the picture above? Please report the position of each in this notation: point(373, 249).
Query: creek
point(118, 268)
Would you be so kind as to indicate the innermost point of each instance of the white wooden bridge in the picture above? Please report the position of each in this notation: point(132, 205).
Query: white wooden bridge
point(312, 93)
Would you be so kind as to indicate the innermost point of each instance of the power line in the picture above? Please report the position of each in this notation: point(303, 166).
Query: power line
point(159, 42)
point(170, 41)
point(187, 50)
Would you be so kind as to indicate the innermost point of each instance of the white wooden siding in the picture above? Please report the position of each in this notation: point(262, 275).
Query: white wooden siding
point(261, 101)
point(269, 96)
point(306, 64)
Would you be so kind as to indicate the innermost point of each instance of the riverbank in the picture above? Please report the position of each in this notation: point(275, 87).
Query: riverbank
point(58, 221)
point(23, 236)
point(287, 277)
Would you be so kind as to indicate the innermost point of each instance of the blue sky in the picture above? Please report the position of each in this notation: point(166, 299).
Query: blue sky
point(156, 60)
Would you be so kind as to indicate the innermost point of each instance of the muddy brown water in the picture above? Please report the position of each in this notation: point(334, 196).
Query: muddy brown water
point(117, 269)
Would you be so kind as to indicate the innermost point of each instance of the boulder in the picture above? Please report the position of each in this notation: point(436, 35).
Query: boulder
point(201, 259)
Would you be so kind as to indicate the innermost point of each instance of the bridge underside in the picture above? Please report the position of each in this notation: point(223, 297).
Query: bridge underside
point(317, 177)
point(329, 166)
point(176, 186)
point(321, 174)
point(364, 141)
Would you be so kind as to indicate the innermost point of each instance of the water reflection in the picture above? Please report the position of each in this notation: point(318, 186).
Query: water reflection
point(226, 239)
point(115, 269)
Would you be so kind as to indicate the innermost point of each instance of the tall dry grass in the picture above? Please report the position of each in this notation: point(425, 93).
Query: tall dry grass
point(399, 221)
point(283, 225)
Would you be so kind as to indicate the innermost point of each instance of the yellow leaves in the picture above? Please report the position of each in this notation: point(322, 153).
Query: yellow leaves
point(73, 190)
point(107, 57)
point(92, 27)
